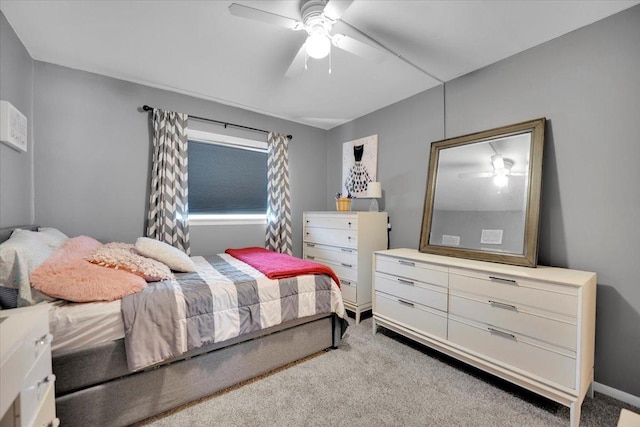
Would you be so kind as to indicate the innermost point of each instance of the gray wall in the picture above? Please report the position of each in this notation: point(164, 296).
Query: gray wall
point(587, 84)
point(16, 167)
point(93, 150)
point(404, 130)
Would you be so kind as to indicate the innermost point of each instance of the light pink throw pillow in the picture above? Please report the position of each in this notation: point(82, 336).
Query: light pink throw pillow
point(68, 275)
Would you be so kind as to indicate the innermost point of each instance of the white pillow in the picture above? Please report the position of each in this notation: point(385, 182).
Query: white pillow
point(52, 236)
point(22, 253)
point(172, 257)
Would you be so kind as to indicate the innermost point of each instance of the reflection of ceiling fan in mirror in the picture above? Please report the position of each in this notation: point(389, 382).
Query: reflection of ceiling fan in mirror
point(502, 170)
point(318, 18)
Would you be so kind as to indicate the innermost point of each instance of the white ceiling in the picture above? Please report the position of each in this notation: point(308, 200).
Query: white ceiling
point(199, 48)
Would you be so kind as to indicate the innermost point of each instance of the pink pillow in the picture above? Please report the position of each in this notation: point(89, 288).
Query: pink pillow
point(123, 256)
point(68, 275)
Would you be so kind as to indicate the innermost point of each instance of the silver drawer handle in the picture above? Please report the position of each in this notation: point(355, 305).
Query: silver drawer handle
point(46, 380)
point(44, 340)
point(310, 257)
point(500, 279)
point(503, 305)
point(311, 245)
point(346, 250)
point(406, 282)
point(54, 423)
point(503, 334)
point(42, 383)
point(401, 301)
point(346, 282)
point(403, 262)
point(346, 265)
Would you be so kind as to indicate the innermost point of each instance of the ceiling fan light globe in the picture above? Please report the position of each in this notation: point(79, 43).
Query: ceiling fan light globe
point(497, 161)
point(318, 46)
point(500, 180)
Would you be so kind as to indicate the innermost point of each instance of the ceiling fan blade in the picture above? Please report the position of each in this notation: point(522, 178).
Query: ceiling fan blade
point(335, 8)
point(297, 65)
point(476, 175)
point(260, 15)
point(358, 48)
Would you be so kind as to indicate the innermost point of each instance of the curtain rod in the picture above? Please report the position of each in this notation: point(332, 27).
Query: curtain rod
point(225, 124)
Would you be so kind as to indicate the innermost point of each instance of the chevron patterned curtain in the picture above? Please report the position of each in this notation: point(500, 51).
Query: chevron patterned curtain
point(278, 198)
point(168, 205)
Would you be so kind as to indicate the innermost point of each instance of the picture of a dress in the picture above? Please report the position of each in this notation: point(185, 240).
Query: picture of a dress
point(359, 164)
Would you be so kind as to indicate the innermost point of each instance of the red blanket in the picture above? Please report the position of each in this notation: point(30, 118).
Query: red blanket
point(279, 266)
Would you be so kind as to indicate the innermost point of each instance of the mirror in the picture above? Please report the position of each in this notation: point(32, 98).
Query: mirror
point(483, 195)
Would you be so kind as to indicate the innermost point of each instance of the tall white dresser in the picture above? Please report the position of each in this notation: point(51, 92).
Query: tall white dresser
point(534, 327)
point(27, 396)
point(345, 241)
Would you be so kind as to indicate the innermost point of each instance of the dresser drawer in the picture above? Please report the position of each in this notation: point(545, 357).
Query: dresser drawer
point(337, 221)
point(349, 290)
point(329, 236)
point(38, 339)
point(554, 329)
point(553, 364)
point(331, 253)
point(342, 270)
point(36, 385)
point(515, 290)
point(413, 270)
point(411, 315)
point(14, 368)
point(412, 291)
point(46, 415)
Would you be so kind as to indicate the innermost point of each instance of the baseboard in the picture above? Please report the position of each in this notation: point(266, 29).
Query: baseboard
point(617, 394)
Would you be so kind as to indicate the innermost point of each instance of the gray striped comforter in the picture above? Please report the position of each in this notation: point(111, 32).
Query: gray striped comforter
point(223, 299)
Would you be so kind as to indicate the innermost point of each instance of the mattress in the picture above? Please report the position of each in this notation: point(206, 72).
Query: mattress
point(223, 299)
point(83, 325)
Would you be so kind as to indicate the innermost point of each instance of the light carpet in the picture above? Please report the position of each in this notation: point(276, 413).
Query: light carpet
point(382, 380)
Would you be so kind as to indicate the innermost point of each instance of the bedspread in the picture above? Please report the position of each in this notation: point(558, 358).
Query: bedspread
point(223, 299)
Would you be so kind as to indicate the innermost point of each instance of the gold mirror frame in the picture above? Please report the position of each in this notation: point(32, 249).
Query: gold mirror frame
point(529, 256)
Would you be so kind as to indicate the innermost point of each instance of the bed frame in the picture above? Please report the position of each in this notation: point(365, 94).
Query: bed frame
point(94, 386)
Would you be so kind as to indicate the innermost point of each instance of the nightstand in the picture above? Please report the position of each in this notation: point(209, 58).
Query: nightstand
point(27, 396)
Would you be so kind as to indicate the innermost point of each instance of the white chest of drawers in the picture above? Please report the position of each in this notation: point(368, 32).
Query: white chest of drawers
point(534, 327)
point(27, 389)
point(345, 241)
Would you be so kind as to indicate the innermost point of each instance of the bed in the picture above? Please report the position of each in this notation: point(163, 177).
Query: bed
point(95, 384)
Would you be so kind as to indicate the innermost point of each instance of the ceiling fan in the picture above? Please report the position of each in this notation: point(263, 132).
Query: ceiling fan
point(318, 18)
point(502, 170)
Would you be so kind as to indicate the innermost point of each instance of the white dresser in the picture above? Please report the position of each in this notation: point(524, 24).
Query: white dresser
point(534, 327)
point(27, 396)
point(345, 241)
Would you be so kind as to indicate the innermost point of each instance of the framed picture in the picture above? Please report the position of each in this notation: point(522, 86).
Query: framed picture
point(13, 126)
point(359, 165)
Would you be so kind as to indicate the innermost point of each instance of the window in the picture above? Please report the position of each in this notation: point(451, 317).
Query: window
point(227, 179)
